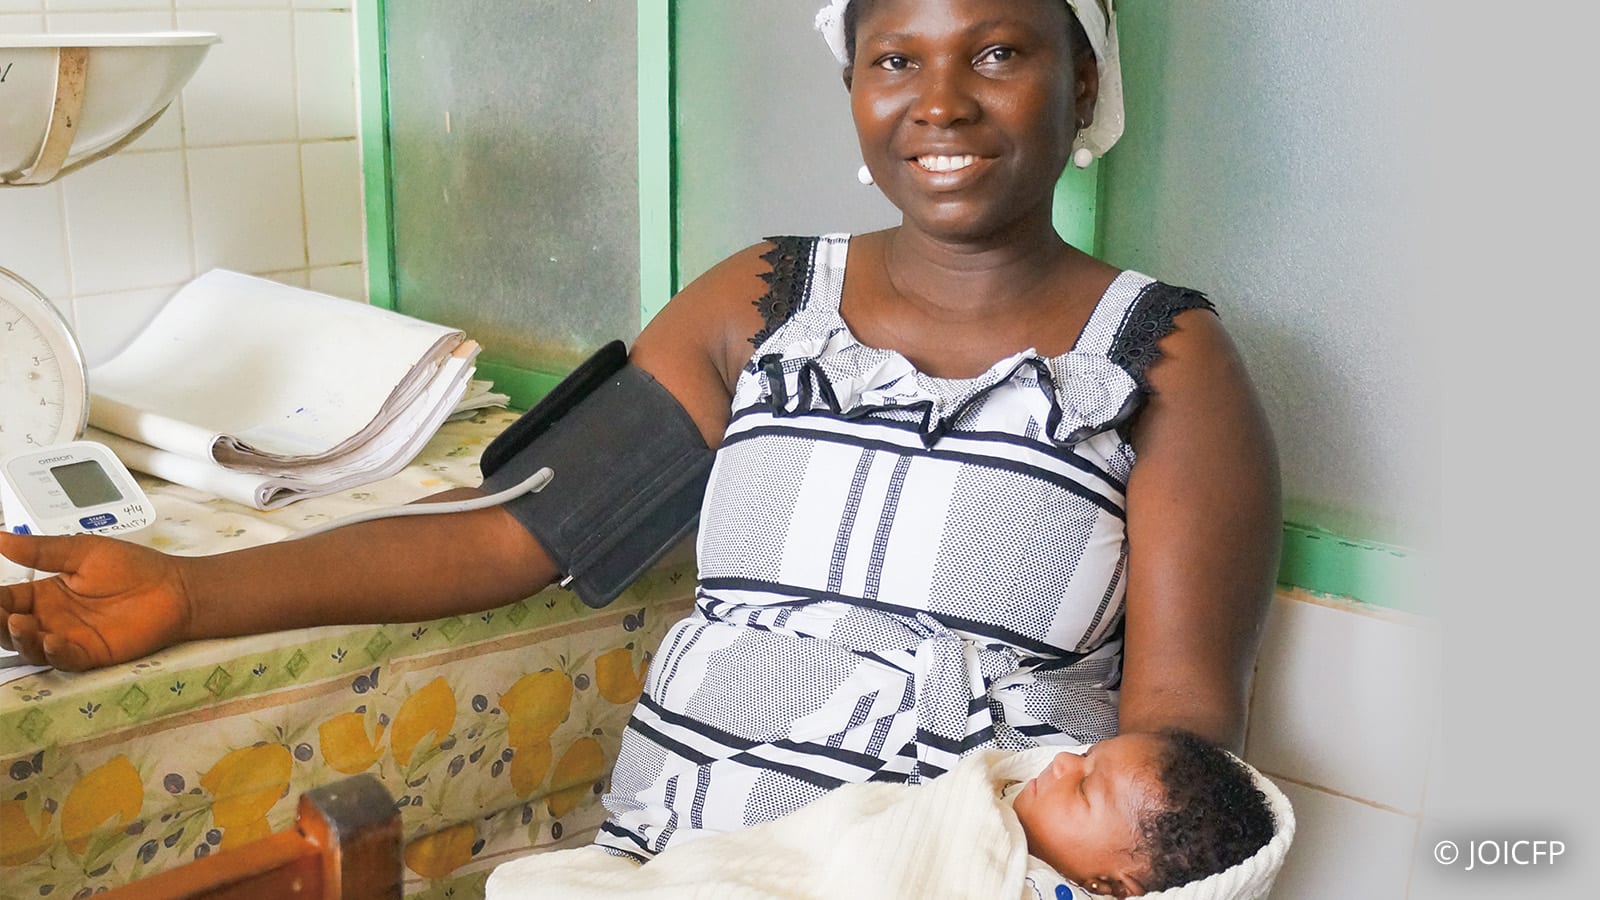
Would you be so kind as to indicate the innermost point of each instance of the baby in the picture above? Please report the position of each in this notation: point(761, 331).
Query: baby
point(1140, 813)
point(1133, 814)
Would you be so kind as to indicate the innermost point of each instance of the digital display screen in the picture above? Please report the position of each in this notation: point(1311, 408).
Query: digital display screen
point(86, 483)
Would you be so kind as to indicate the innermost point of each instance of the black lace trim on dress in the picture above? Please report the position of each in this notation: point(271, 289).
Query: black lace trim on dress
point(788, 282)
point(1148, 320)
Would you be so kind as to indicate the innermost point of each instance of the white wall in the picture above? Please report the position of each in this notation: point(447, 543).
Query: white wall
point(1271, 160)
point(255, 169)
point(1343, 716)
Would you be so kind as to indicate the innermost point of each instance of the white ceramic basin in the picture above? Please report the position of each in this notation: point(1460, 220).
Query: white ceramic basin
point(127, 82)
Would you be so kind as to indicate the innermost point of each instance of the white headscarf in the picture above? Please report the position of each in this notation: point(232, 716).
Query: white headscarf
point(1099, 24)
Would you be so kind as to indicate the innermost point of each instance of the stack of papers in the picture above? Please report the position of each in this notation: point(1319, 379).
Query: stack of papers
point(479, 395)
point(266, 394)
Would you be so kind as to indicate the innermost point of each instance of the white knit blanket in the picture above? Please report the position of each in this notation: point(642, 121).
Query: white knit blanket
point(954, 836)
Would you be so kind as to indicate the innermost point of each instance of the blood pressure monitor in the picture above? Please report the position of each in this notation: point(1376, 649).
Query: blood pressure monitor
point(50, 482)
point(79, 487)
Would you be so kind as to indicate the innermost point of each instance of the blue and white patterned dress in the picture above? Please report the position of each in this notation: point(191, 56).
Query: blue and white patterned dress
point(895, 569)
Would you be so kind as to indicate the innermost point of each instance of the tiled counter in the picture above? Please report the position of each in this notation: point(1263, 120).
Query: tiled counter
point(494, 732)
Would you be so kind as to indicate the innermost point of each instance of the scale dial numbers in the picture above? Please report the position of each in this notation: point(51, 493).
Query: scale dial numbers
point(43, 399)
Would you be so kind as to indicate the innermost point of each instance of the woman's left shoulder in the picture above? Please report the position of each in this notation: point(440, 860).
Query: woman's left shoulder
point(1194, 379)
point(1173, 333)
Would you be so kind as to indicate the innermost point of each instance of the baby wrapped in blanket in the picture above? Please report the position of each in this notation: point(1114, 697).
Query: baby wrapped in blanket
point(1131, 816)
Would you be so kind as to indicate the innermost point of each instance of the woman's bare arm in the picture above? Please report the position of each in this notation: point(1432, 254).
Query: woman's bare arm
point(1204, 532)
point(114, 601)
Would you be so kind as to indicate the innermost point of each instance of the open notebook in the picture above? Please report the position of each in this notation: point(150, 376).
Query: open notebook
point(265, 394)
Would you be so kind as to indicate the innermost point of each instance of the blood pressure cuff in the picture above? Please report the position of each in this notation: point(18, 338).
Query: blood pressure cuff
point(630, 472)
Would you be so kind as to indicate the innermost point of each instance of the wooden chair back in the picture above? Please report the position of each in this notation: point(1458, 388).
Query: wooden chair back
point(345, 845)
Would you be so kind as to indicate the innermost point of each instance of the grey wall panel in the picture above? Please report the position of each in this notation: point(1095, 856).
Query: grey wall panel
point(1267, 163)
point(764, 139)
point(515, 138)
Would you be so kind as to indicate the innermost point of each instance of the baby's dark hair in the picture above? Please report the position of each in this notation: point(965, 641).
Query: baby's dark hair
point(1213, 816)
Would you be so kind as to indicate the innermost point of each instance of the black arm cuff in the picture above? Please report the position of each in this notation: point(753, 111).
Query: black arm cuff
point(630, 473)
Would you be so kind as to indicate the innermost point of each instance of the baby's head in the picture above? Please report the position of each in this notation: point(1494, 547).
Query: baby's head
point(1144, 812)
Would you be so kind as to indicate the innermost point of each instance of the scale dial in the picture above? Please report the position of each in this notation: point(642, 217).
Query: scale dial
point(44, 392)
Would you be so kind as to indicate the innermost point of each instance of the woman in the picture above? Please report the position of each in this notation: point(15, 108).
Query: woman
point(925, 531)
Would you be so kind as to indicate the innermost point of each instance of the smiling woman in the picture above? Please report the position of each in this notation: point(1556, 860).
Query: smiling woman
point(962, 121)
point(951, 411)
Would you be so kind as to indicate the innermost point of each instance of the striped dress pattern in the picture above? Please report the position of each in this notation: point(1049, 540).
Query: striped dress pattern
point(896, 570)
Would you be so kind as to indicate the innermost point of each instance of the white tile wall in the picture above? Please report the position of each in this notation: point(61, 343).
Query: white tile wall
point(19, 23)
point(1343, 848)
point(33, 237)
point(1342, 700)
point(244, 92)
point(104, 5)
point(255, 168)
point(128, 225)
point(325, 67)
point(340, 281)
point(256, 225)
point(1344, 717)
point(232, 4)
point(332, 176)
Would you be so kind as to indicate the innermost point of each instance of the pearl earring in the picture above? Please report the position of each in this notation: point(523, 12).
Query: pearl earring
point(1083, 156)
point(864, 175)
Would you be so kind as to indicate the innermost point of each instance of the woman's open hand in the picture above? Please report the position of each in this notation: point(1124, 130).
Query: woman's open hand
point(110, 601)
